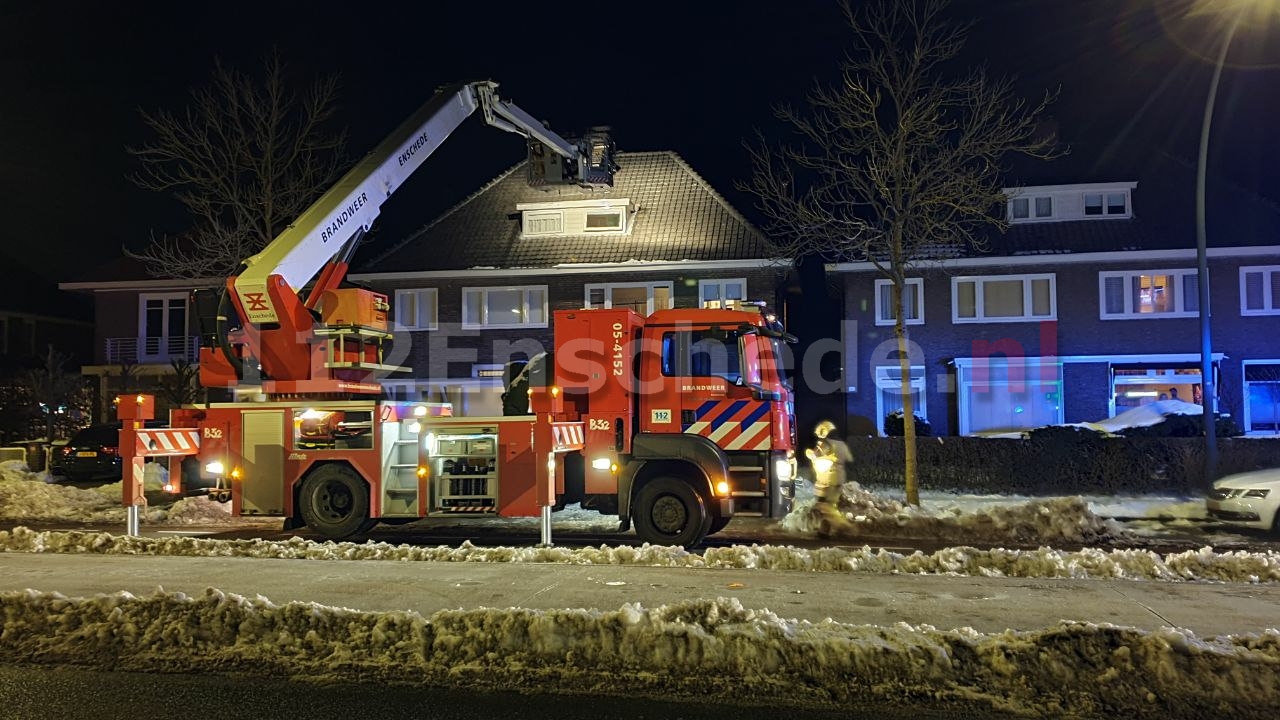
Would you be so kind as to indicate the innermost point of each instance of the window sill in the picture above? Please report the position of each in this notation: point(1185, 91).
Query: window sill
point(997, 321)
point(1152, 316)
point(527, 326)
point(889, 323)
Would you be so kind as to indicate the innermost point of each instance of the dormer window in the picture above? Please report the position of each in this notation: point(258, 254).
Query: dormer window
point(605, 221)
point(1108, 204)
point(575, 217)
point(1023, 208)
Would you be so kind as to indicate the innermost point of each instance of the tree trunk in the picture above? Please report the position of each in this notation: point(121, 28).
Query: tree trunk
point(909, 472)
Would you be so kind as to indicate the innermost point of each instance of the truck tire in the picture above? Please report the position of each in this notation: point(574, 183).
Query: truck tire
point(334, 502)
point(668, 511)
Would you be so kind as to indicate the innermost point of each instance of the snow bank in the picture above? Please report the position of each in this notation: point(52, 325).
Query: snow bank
point(1152, 413)
point(709, 649)
point(1204, 564)
point(27, 496)
point(1034, 520)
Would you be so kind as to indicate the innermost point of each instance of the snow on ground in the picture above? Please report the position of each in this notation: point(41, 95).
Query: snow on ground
point(1199, 565)
point(28, 496)
point(712, 649)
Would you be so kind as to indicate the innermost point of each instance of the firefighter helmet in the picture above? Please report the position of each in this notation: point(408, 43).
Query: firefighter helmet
point(824, 428)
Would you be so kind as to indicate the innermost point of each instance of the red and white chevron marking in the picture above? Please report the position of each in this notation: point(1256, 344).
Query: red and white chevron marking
point(567, 436)
point(155, 442)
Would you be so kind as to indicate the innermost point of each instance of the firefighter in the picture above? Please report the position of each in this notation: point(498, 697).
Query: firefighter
point(828, 456)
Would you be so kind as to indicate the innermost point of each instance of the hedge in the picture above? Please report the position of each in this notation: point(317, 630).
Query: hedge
point(1059, 463)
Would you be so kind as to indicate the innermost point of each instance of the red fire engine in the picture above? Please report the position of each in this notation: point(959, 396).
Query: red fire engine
point(675, 422)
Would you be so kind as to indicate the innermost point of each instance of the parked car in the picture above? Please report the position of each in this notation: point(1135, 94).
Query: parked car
point(93, 455)
point(1248, 500)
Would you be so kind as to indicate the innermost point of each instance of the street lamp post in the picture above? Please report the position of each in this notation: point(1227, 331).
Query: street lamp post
point(1208, 388)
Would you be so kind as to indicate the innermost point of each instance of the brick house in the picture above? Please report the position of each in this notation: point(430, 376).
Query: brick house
point(1085, 308)
point(476, 287)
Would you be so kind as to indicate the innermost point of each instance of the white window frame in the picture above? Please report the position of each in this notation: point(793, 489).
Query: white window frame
point(884, 315)
point(720, 283)
point(483, 322)
point(1244, 393)
point(1106, 214)
point(418, 294)
point(1032, 215)
point(980, 298)
point(889, 377)
point(619, 229)
point(1270, 303)
point(165, 341)
point(527, 217)
point(650, 297)
point(1129, 313)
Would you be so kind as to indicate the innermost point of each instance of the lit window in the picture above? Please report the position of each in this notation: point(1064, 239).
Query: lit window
point(642, 297)
point(1262, 397)
point(1003, 298)
point(1147, 294)
point(999, 394)
point(610, 221)
point(729, 293)
point(504, 307)
point(912, 302)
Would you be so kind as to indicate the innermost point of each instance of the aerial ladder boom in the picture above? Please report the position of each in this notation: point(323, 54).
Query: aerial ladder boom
point(276, 322)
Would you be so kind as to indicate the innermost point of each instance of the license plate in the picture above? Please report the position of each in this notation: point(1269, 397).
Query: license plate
point(86, 453)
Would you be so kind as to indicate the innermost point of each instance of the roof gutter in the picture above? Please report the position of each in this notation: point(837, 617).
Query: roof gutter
point(574, 269)
point(1061, 258)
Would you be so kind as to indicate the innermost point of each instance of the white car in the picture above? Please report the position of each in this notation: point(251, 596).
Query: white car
point(1248, 500)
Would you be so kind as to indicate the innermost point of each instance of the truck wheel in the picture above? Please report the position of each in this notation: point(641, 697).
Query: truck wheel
point(668, 511)
point(334, 502)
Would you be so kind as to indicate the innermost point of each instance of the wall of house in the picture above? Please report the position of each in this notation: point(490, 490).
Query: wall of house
point(1078, 330)
point(449, 352)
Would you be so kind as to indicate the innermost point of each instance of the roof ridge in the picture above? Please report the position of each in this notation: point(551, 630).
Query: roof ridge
point(1225, 180)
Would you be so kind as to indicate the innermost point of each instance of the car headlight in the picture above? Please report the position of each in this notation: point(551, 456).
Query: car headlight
point(1258, 493)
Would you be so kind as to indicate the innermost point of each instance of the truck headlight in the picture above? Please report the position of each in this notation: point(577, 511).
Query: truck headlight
point(783, 469)
point(214, 468)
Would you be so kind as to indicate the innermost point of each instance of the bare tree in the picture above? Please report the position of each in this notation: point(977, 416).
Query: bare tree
point(182, 386)
point(51, 388)
point(245, 158)
point(899, 162)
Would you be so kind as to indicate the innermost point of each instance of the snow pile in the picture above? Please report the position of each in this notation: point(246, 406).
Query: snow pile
point(708, 649)
point(1153, 413)
point(27, 496)
point(1198, 565)
point(1035, 520)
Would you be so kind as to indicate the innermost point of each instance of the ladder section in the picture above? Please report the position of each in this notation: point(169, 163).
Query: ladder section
point(401, 484)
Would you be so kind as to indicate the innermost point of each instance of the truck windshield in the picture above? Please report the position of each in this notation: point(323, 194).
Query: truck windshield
point(699, 353)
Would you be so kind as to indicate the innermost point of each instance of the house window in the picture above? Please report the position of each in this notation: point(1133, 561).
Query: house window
point(504, 307)
point(642, 297)
point(416, 309)
point(1025, 208)
point(722, 293)
point(889, 392)
point(604, 221)
point(162, 327)
point(1113, 204)
point(999, 394)
point(1137, 385)
point(1128, 295)
point(912, 302)
point(543, 222)
point(1004, 298)
point(1262, 397)
point(1260, 290)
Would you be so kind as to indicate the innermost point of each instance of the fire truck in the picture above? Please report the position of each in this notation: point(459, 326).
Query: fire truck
point(675, 422)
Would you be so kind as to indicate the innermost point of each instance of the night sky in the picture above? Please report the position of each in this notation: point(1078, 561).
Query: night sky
point(693, 77)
